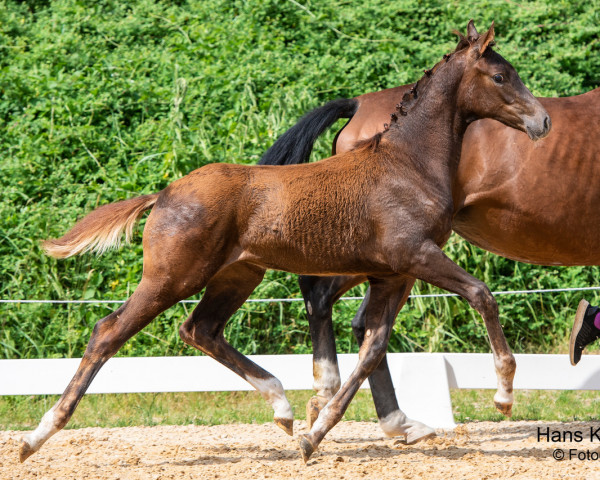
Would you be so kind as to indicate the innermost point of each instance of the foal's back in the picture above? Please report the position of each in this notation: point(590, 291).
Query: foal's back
point(298, 215)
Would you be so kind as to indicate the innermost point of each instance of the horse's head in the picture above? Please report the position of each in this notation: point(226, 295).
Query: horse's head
point(491, 87)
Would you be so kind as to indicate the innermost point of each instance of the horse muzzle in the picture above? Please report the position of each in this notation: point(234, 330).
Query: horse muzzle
point(538, 127)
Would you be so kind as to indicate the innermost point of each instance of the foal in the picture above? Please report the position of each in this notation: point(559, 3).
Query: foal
point(501, 203)
point(381, 212)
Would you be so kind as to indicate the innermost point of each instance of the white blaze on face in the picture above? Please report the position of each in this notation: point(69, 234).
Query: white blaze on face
point(272, 391)
point(326, 378)
point(44, 431)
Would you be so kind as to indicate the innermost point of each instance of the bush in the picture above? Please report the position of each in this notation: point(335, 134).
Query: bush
point(100, 102)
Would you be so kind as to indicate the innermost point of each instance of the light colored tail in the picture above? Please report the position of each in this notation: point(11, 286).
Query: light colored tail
point(101, 229)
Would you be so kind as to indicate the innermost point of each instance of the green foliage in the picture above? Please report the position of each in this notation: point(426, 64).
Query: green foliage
point(101, 101)
point(215, 408)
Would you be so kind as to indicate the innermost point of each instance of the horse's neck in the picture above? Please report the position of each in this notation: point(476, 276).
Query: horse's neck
point(434, 128)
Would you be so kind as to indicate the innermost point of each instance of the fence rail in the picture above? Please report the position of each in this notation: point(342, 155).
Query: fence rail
point(422, 380)
point(285, 300)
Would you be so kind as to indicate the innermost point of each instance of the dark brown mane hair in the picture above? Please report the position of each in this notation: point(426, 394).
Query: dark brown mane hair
point(410, 97)
point(369, 143)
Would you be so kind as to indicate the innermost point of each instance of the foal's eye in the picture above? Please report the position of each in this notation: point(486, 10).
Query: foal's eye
point(498, 78)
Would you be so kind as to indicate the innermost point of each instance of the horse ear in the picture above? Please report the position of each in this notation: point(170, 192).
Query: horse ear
point(472, 33)
point(487, 40)
point(462, 41)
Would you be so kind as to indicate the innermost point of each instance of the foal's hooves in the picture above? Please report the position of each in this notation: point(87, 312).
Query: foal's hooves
point(286, 424)
point(306, 447)
point(25, 452)
point(504, 408)
point(313, 408)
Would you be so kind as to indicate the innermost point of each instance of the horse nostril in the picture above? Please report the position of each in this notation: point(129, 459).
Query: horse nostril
point(547, 123)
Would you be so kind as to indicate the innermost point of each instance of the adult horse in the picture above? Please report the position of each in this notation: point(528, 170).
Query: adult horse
point(381, 211)
point(531, 202)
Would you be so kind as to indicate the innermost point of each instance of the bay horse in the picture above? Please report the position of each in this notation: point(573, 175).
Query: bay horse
point(531, 202)
point(381, 211)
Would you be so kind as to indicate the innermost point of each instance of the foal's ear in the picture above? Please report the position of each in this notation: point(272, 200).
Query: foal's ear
point(484, 41)
point(472, 33)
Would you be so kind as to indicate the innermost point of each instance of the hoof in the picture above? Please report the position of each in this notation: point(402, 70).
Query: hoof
point(397, 424)
point(418, 434)
point(286, 424)
point(504, 408)
point(306, 447)
point(25, 452)
point(313, 408)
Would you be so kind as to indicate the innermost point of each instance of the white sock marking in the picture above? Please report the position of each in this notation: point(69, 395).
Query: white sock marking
point(272, 391)
point(44, 431)
point(326, 378)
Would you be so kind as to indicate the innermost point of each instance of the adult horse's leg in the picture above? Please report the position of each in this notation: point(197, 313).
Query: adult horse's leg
point(434, 267)
point(320, 293)
point(225, 293)
point(108, 336)
point(392, 420)
point(387, 295)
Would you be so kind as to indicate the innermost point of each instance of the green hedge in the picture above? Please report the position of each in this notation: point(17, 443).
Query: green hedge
point(101, 101)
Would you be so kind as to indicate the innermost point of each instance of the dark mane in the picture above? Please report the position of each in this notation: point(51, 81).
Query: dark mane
point(408, 100)
point(410, 97)
point(369, 143)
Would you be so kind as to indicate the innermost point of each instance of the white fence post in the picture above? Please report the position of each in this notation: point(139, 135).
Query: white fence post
point(422, 388)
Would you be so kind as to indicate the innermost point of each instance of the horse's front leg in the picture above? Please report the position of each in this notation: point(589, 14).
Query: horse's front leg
point(384, 303)
point(392, 419)
point(320, 293)
point(433, 266)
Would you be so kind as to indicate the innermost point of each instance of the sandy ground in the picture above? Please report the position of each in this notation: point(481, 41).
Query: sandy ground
point(351, 450)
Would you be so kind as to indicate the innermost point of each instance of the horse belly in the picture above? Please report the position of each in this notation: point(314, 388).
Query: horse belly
point(300, 262)
point(318, 246)
point(532, 239)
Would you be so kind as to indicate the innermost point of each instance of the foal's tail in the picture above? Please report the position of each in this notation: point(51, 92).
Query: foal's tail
point(101, 229)
point(295, 145)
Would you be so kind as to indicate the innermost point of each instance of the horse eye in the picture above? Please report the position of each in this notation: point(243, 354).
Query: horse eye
point(498, 78)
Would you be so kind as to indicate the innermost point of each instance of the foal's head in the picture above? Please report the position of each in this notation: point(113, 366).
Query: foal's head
point(491, 88)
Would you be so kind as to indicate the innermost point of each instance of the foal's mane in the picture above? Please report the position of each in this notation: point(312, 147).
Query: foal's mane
point(410, 97)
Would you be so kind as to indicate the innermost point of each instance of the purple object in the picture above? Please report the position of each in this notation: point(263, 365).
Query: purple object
point(597, 321)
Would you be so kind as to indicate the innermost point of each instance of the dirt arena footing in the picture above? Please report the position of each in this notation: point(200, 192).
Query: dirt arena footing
point(352, 450)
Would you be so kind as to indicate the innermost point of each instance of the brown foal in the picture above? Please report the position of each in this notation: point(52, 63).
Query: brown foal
point(380, 212)
point(532, 202)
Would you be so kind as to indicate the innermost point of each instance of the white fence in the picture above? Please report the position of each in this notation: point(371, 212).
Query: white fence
point(422, 380)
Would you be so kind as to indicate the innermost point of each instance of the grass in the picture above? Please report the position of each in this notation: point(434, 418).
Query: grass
point(547, 405)
point(105, 101)
point(214, 408)
point(110, 100)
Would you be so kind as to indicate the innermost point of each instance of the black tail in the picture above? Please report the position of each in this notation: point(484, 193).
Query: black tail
point(295, 145)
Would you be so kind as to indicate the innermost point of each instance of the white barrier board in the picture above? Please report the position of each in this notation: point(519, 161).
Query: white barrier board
point(422, 380)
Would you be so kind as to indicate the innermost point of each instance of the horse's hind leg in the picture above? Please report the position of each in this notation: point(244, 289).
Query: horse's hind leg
point(320, 293)
point(108, 336)
point(392, 420)
point(225, 293)
point(384, 303)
